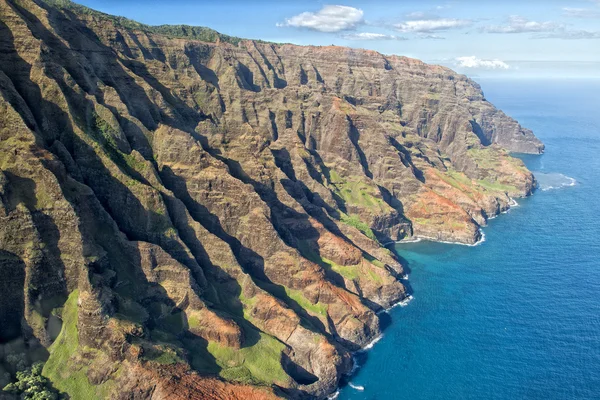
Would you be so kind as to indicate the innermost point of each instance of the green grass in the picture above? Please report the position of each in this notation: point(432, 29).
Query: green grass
point(134, 163)
point(357, 193)
point(374, 261)
point(456, 179)
point(347, 271)
point(495, 186)
point(374, 277)
point(303, 302)
point(353, 272)
point(355, 221)
point(193, 321)
point(61, 368)
point(421, 221)
point(258, 364)
point(164, 354)
point(350, 272)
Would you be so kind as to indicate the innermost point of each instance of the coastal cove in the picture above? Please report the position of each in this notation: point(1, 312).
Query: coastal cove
point(516, 316)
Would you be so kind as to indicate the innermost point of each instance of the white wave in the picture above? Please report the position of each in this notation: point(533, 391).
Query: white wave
point(356, 387)
point(477, 243)
point(402, 303)
point(414, 239)
point(371, 344)
point(513, 203)
point(334, 396)
point(553, 180)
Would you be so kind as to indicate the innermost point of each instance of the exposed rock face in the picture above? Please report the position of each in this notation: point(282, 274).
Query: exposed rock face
point(210, 216)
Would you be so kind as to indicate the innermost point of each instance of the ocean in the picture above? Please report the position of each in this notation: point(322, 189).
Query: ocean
point(518, 316)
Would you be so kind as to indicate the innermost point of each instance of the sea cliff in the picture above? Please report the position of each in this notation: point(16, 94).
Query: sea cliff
point(190, 215)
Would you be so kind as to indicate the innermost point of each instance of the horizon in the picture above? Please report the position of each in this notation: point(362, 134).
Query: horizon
point(556, 39)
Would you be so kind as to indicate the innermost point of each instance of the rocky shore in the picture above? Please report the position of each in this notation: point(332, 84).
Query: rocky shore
point(188, 215)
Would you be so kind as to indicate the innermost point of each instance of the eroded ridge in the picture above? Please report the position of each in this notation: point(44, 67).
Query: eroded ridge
point(204, 219)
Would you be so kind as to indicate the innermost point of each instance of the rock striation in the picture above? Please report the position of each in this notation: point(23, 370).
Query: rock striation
point(190, 215)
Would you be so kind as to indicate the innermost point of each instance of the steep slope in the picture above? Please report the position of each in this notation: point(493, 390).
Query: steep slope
point(189, 219)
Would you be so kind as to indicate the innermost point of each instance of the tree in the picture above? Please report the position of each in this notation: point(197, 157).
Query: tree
point(32, 385)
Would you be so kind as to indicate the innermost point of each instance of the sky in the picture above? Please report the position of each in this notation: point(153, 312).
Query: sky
point(521, 39)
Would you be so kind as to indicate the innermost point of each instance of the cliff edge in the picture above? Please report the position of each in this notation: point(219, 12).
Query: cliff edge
point(188, 215)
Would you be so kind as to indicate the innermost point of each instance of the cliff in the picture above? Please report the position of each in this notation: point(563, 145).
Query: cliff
point(204, 219)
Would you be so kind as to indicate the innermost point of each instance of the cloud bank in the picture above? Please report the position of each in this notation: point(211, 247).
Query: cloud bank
point(332, 18)
point(474, 62)
point(518, 24)
point(581, 12)
point(432, 25)
point(371, 36)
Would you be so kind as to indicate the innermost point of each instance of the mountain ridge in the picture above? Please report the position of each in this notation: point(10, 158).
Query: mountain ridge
point(211, 215)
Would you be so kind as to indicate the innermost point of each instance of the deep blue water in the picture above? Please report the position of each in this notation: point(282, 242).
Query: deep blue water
point(517, 317)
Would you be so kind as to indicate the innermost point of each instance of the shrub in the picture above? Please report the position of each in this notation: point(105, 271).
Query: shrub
point(31, 385)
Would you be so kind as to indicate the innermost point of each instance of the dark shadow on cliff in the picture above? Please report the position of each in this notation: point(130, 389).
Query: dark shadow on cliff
point(477, 130)
point(251, 262)
point(129, 282)
point(354, 136)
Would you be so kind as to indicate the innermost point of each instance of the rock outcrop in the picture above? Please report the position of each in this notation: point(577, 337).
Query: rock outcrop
point(204, 219)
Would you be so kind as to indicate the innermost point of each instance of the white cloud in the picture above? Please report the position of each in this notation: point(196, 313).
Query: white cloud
point(330, 18)
point(432, 25)
point(474, 62)
point(371, 36)
point(420, 15)
point(569, 34)
point(430, 36)
point(581, 12)
point(518, 24)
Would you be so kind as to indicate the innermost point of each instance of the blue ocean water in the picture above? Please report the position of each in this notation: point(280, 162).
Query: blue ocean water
point(517, 317)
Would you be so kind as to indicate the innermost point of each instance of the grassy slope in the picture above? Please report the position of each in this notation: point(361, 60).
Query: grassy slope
point(62, 369)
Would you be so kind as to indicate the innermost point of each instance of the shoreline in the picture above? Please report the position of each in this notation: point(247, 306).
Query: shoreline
point(406, 300)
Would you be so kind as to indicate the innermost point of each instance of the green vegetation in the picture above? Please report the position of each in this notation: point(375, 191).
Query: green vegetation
point(43, 198)
point(31, 385)
point(496, 186)
point(164, 353)
point(177, 31)
point(104, 135)
point(298, 297)
point(456, 179)
point(357, 193)
point(485, 158)
point(423, 221)
point(374, 277)
point(62, 368)
point(193, 321)
point(349, 272)
point(256, 364)
point(460, 181)
point(134, 163)
point(374, 261)
point(353, 272)
point(355, 221)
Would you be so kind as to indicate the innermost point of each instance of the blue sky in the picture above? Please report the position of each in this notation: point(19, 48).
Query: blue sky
point(525, 38)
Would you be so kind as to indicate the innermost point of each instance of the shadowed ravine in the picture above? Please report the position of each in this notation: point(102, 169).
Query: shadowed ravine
point(191, 215)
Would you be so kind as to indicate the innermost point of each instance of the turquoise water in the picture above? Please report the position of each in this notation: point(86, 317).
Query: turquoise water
point(517, 317)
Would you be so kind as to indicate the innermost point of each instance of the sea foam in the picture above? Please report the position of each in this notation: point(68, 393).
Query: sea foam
point(553, 180)
point(356, 387)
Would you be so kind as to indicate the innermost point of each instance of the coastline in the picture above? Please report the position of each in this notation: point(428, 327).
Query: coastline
point(406, 300)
